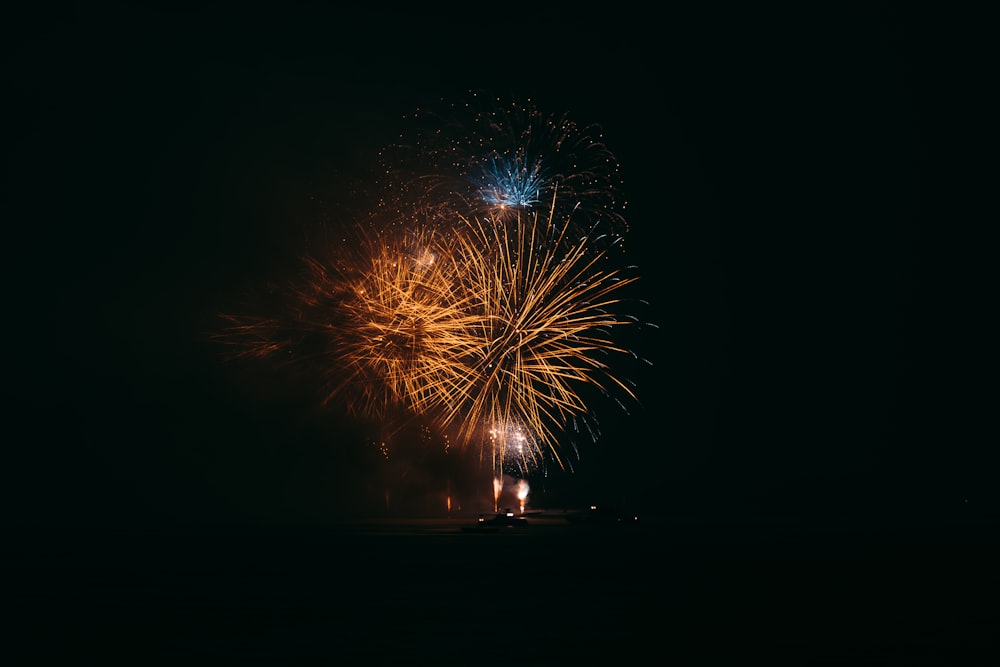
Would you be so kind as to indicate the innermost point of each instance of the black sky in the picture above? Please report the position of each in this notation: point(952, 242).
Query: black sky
point(786, 188)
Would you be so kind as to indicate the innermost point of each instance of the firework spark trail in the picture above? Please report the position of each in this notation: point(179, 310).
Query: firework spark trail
point(251, 337)
point(494, 159)
point(379, 322)
point(402, 335)
point(546, 313)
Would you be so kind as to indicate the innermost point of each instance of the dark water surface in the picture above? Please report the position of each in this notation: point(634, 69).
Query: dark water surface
point(426, 592)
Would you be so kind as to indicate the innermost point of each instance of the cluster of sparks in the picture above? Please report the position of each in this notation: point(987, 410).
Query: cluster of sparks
point(490, 307)
point(495, 159)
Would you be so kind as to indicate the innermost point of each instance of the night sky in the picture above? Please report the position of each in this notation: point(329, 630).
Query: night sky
point(786, 177)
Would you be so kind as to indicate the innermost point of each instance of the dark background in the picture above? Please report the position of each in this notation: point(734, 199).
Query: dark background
point(812, 460)
point(792, 178)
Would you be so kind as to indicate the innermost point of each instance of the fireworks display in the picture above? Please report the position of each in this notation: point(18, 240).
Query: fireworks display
point(485, 296)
